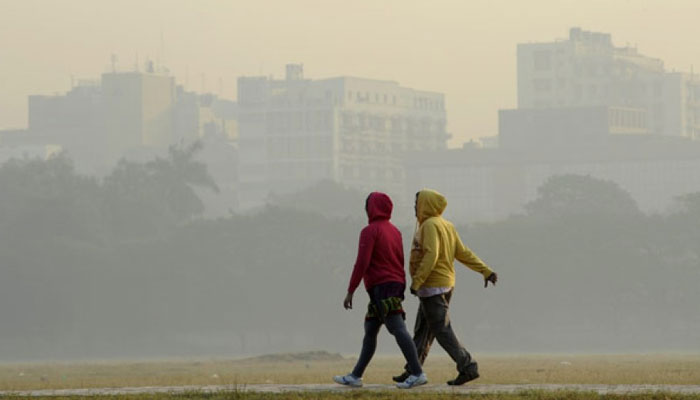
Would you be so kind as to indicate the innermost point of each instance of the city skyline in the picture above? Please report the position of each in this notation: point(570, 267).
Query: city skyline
point(209, 48)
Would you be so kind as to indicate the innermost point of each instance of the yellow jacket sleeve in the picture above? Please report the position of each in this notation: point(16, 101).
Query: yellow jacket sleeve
point(467, 257)
point(430, 245)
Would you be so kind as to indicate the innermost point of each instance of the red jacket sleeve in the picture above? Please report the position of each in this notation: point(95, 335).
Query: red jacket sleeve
point(364, 255)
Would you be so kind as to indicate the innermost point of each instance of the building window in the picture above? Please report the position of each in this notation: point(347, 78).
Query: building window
point(593, 90)
point(542, 60)
point(542, 85)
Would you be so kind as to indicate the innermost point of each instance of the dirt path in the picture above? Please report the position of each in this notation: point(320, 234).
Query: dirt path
point(275, 388)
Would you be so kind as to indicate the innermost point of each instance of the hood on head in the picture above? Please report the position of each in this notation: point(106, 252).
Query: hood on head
point(429, 204)
point(378, 206)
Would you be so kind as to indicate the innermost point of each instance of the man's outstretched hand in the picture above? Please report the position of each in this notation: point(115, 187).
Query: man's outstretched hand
point(347, 303)
point(493, 278)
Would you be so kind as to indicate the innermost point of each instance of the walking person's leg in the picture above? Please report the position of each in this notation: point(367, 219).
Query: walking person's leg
point(422, 339)
point(437, 313)
point(397, 327)
point(369, 345)
point(422, 335)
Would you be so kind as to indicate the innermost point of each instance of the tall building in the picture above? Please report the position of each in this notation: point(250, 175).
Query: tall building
point(138, 109)
point(126, 114)
point(587, 70)
point(681, 97)
point(197, 116)
point(74, 121)
point(585, 107)
point(98, 122)
point(297, 131)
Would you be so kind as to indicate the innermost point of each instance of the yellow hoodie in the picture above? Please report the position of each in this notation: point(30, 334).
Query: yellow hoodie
point(437, 244)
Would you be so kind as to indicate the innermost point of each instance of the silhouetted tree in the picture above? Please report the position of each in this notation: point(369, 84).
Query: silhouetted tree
point(583, 269)
point(48, 199)
point(144, 199)
point(579, 195)
point(689, 205)
point(327, 198)
point(178, 175)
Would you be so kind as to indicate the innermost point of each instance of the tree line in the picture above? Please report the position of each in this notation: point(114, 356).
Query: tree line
point(126, 266)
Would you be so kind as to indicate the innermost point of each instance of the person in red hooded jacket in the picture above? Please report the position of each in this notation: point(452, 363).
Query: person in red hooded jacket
point(380, 263)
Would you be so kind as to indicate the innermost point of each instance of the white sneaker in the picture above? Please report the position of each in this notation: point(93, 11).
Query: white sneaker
point(413, 381)
point(348, 380)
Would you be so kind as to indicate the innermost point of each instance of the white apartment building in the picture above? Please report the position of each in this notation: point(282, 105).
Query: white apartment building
point(295, 132)
point(587, 70)
point(584, 107)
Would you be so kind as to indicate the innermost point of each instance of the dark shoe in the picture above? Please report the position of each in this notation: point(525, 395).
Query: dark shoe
point(470, 374)
point(402, 377)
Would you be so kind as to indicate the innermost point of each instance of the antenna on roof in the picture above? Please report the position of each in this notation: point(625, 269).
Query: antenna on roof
point(113, 60)
point(161, 56)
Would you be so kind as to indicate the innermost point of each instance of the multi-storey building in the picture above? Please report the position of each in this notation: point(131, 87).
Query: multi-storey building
point(296, 131)
point(100, 121)
point(587, 70)
point(133, 114)
point(138, 109)
point(197, 116)
point(74, 121)
point(584, 107)
point(681, 97)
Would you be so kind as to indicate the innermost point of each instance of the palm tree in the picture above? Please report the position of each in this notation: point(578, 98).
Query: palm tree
point(153, 197)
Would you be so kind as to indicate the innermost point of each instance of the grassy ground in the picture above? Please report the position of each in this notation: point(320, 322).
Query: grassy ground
point(390, 395)
point(515, 369)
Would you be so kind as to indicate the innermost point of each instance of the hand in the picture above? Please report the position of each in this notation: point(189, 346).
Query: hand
point(347, 303)
point(493, 278)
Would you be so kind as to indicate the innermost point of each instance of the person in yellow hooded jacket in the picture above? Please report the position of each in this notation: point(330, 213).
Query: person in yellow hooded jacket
point(436, 244)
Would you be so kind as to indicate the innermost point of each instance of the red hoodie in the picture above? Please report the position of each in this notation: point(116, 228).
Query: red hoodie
point(380, 255)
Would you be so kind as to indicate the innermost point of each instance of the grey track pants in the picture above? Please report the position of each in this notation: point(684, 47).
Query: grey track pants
point(396, 326)
point(433, 322)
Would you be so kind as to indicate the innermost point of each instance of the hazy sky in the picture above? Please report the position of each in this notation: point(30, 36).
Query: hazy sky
point(465, 49)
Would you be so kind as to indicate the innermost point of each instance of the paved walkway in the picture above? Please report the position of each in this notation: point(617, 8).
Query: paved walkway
point(275, 388)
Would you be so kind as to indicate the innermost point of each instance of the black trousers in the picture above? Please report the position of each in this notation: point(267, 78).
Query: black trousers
point(397, 327)
point(433, 322)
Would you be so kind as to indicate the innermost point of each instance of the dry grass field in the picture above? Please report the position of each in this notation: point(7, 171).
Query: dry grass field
point(386, 395)
point(320, 367)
